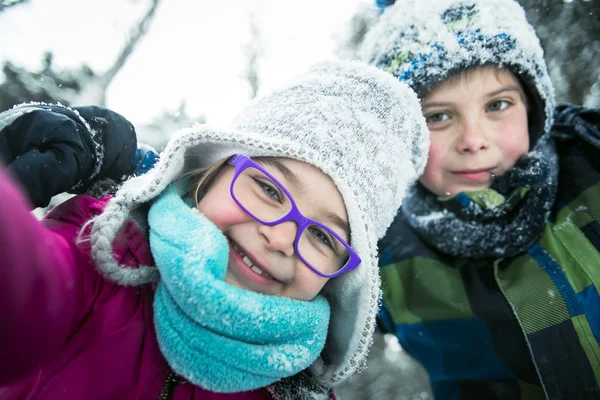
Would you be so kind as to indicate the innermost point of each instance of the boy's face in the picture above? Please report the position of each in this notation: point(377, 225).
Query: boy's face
point(478, 127)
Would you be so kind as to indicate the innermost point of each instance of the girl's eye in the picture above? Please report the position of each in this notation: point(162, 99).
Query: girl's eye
point(436, 118)
point(321, 237)
point(269, 190)
point(497, 105)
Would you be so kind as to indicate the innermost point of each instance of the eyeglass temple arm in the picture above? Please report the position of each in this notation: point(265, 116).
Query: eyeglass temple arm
point(234, 158)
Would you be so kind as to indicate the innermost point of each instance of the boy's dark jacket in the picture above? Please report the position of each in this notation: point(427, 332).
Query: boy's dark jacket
point(525, 327)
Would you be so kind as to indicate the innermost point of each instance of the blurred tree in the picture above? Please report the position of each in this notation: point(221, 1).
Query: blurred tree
point(5, 4)
point(570, 34)
point(568, 29)
point(73, 86)
point(159, 130)
point(356, 28)
point(253, 50)
point(48, 85)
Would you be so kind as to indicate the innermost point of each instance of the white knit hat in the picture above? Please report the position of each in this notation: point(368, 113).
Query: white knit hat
point(357, 124)
point(424, 42)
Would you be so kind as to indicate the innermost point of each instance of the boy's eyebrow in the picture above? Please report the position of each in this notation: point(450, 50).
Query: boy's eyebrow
point(425, 104)
point(512, 88)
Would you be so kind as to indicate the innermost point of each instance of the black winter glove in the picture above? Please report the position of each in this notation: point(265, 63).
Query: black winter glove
point(53, 149)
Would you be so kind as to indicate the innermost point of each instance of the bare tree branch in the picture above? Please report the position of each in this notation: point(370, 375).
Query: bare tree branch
point(5, 4)
point(134, 37)
point(254, 52)
point(71, 86)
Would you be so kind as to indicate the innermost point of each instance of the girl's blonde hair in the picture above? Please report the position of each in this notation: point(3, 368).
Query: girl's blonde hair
point(201, 179)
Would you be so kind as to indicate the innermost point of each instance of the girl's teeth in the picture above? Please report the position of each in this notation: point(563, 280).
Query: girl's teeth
point(256, 269)
point(247, 261)
point(250, 264)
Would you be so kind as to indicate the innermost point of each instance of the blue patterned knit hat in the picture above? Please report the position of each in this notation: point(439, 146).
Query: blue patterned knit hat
point(424, 42)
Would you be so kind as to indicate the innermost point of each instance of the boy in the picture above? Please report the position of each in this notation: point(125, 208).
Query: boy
point(491, 270)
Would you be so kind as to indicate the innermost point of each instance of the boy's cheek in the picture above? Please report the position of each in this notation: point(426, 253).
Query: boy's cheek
point(431, 179)
point(515, 139)
point(433, 167)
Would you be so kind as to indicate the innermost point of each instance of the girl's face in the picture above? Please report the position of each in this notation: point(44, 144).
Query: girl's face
point(262, 258)
point(478, 129)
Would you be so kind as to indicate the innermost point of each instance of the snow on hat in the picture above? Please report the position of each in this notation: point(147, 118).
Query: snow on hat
point(424, 42)
point(357, 124)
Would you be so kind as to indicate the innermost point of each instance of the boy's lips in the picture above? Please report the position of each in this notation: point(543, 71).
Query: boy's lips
point(474, 174)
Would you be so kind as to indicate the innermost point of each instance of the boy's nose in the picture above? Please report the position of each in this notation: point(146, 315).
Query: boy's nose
point(280, 237)
point(473, 138)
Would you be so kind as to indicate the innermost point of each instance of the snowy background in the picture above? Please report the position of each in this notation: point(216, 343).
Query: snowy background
point(211, 57)
point(166, 64)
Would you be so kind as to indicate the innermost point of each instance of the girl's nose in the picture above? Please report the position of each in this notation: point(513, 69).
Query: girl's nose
point(280, 237)
point(473, 137)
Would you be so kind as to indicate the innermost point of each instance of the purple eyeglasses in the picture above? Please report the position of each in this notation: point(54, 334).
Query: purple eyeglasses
point(267, 201)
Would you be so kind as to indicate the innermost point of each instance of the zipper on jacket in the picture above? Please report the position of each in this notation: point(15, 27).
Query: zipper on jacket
point(172, 380)
point(537, 370)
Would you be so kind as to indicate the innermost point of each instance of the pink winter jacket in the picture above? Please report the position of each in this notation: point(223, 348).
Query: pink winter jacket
point(65, 332)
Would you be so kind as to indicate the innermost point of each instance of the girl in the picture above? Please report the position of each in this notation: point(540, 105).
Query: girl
point(259, 276)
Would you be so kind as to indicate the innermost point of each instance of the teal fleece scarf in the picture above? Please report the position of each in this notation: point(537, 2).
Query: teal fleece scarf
point(217, 336)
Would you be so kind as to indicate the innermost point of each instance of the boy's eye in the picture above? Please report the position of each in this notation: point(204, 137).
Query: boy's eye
point(497, 105)
point(436, 118)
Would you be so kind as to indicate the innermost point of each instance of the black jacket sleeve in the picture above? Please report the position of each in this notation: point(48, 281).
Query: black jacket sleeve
point(52, 149)
point(577, 122)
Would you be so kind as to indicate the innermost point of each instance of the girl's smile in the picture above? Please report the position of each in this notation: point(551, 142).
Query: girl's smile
point(245, 267)
point(250, 263)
